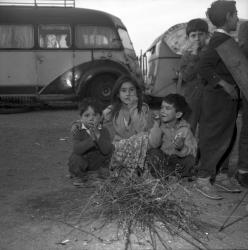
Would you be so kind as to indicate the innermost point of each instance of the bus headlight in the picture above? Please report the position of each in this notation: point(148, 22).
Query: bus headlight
point(67, 78)
point(68, 83)
point(77, 75)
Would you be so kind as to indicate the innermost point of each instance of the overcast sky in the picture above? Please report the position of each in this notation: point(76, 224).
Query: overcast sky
point(147, 19)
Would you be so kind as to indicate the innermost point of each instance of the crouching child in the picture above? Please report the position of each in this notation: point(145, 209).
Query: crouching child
point(91, 142)
point(172, 145)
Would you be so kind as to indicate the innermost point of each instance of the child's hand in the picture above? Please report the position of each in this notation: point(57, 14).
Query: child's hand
point(133, 101)
point(94, 133)
point(156, 119)
point(192, 47)
point(179, 141)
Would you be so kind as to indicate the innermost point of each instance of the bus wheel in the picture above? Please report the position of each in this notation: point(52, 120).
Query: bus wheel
point(101, 87)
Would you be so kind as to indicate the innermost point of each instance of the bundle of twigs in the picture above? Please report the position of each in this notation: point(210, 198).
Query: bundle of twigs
point(150, 207)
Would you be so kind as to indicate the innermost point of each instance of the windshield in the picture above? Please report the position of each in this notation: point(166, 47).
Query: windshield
point(127, 44)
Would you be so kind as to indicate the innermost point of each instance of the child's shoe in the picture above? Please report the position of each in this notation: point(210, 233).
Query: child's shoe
point(227, 184)
point(243, 179)
point(78, 182)
point(204, 187)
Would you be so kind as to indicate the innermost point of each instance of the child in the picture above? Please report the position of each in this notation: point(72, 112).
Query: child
point(219, 106)
point(91, 143)
point(243, 141)
point(127, 115)
point(175, 143)
point(129, 120)
point(192, 86)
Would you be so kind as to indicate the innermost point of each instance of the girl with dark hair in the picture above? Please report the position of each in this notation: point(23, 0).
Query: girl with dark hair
point(129, 120)
point(127, 115)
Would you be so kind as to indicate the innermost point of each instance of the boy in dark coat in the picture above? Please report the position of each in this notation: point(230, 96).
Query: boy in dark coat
point(217, 124)
point(192, 87)
point(92, 145)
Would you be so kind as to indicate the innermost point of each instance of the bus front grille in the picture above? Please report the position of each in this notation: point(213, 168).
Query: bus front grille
point(17, 100)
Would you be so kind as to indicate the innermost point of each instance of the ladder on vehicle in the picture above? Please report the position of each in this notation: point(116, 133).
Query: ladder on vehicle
point(39, 3)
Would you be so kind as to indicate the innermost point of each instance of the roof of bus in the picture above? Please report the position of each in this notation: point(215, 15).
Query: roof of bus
point(57, 15)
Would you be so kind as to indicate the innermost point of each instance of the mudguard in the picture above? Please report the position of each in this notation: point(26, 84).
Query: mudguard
point(92, 69)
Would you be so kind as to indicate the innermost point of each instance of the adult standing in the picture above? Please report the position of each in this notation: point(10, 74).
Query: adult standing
point(217, 124)
point(243, 141)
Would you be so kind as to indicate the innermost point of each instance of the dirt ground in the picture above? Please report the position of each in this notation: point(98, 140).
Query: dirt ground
point(38, 200)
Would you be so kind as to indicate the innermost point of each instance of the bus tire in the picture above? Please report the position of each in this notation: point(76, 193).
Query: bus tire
point(100, 88)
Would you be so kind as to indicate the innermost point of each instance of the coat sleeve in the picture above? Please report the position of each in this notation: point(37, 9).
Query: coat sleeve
point(189, 66)
point(155, 137)
point(107, 114)
point(207, 65)
point(104, 142)
point(80, 144)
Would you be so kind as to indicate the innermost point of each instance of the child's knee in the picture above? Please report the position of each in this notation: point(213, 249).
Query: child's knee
point(77, 165)
point(189, 164)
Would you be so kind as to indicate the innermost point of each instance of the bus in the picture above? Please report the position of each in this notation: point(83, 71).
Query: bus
point(61, 54)
point(160, 63)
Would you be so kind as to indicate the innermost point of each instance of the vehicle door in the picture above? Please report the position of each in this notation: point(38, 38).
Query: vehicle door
point(55, 55)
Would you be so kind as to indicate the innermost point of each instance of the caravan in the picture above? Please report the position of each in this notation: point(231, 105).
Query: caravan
point(161, 61)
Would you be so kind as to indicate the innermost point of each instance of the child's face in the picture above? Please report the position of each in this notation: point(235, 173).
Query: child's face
point(198, 37)
point(168, 113)
point(232, 21)
point(89, 118)
point(128, 93)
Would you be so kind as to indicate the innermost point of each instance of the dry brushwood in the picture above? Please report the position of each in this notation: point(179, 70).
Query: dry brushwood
point(148, 207)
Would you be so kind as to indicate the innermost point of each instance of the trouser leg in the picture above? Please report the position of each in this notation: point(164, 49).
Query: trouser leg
point(223, 165)
point(195, 104)
point(216, 130)
point(77, 165)
point(193, 96)
point(243, 140)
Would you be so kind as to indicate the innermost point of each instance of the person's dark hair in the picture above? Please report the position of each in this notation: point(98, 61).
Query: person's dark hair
point(196, 25)
point(218, 11)
point(115, 100)
point(179, 103)
point(88, 102)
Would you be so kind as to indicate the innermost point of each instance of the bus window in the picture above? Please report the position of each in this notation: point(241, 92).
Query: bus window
point(125, 39)
point(16, 36)
point(54, 36)
point(96, 37)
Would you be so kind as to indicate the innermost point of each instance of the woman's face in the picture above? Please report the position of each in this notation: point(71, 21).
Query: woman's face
point(127, 93)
